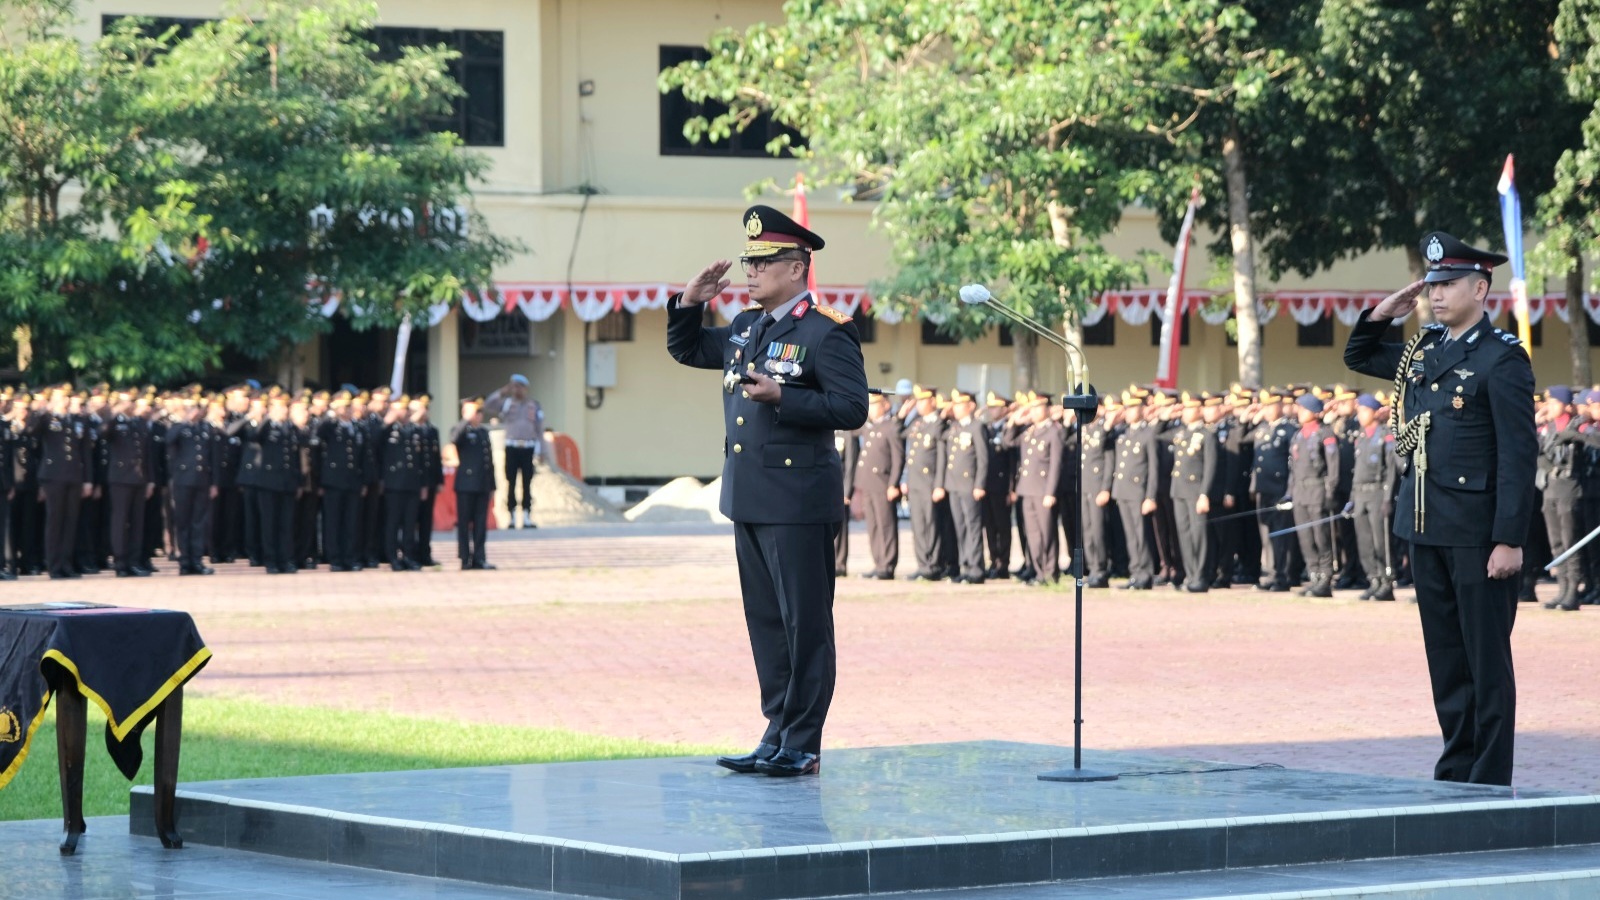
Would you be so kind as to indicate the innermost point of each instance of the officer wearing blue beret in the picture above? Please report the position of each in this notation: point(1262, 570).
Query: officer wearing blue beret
point(792, 375)
point(1463, 421)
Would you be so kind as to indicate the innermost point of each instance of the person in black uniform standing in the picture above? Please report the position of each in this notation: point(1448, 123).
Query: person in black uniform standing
point(923, 474)
point(966, 473)
point(848, 445)
point(66, 447)
point(400, 456)
point(275, 459)
point(27, 510)
point(1098, 452)
point(792, 375)
point(130, 479)
point(475, 484)
point(878, 469)
point(1269, 485)
point(193, 448)
point(10, 435)
point(997, 487)
point(430, 459)
point(346, 464)
point(1464, 415)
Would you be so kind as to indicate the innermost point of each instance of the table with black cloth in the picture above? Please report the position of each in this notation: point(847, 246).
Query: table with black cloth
point(132, 663)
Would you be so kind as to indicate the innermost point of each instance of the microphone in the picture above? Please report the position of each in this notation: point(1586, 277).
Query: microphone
point(975, 294)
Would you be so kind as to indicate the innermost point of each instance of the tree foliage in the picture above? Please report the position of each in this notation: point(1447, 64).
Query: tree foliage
point(196, 164)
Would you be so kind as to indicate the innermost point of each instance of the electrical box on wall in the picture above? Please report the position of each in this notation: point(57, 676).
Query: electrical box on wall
point(602, 366)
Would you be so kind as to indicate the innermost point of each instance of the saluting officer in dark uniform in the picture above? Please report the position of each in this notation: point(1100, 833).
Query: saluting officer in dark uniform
point(878, 470)
point(793, 375)
point(374, 542)
point(1557, 477)
point(1313, 483)
point(431, 461)
point(1464, 415)
point(1133, 489)
point(10, 434)
point(1372, 485)
point(1226, 492)
point(966, 474)
point(193, 449)
point(923, 473)
point(400, 458)
point(227, 511)
point(1269, 484)
point(27, 510)
point(66, 445)
point(475, 483)
point(346, 464)
point(1194, 468)
point(848, 445)
point(1098, 452)
point(997, 487)
point(130, 479)
point(277, 479)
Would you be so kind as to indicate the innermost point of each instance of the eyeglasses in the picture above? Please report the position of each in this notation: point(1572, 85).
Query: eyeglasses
point(754, 267)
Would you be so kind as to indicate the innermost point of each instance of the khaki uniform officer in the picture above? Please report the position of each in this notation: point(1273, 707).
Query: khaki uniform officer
point(878, 468)
point(966, 473)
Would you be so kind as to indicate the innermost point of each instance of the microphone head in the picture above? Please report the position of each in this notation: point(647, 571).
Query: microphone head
point(975, 293)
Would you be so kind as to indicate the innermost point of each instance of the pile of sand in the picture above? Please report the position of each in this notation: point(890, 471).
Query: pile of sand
point(680, 500)
point(560, 499)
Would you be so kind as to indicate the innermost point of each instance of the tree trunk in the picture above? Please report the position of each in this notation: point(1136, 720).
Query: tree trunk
point(1061, 233)
point(1419, 270)
point(1578, 318)
point(1024, 358)
point(1074, 328)
point(1244, 264)
point(24, 339)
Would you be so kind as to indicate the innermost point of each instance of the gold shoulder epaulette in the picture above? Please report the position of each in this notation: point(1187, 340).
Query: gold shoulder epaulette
point(830, 312)
point(754, 307)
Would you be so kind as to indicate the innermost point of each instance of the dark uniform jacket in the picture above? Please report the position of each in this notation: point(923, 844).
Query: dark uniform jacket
point(1481, 445)
point(1137, 459)
point(344, 455)
point(1269, 475)
point(1314, 466)
point(129, 446)
point(1194, 462)
point(475, 469)
point(432, 458)
point(1233, 466)
point(779, 464)
point(194, 450)
point(966, 457)
point(66, 446)
point(883, 455)
point(272, 455)
point(230, 458)
point(1099, 453)
point(10, 440)
point(401, 457)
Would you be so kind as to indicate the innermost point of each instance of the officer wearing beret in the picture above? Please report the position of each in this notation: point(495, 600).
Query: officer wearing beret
point(792, 375)
point(1464, 417)
point(1372, 485)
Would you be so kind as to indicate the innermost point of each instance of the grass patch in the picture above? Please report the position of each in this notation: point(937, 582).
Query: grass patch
point(226, 738)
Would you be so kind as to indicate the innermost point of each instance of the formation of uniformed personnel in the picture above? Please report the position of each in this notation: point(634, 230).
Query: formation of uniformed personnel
point(922, 484)
point(1464, 421)
point(1133, 489)
point(1041, 452)
point(997, 498)
point(966, 480)
point(1194, 467)
point(792, 375)
point(194, 444)
point(1097, 441)
point(1313, 487)
point(1269, 486)
point(1558, 480)
point(1373, 480)
point(878, 471)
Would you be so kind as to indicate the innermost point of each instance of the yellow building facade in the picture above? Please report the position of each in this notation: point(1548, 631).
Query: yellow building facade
point(580, 176)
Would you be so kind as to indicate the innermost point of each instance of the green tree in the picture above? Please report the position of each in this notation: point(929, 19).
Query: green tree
point(239, 132)
point(991, 133)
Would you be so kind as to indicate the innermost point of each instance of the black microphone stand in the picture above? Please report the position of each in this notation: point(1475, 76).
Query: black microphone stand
point(1083, 402)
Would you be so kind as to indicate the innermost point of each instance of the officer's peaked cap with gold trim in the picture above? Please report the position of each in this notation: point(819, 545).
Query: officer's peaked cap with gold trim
point(1449, 259)
point(769, 232)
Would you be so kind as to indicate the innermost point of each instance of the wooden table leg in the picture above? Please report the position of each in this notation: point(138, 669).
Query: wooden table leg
point(169, 734)
point(72, 722)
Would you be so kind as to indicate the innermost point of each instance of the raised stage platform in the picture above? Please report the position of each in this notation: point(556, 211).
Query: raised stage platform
point(880, 820)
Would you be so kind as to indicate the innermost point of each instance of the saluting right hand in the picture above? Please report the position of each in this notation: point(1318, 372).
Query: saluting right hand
point(707, 285)
point(1399, 304)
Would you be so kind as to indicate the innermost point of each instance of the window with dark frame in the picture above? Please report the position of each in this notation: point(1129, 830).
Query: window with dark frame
point(933, 336)
point(1317, 334)
point(616, 327)
point(866, 327)
point(1007, 338)
point(1155, 330)
point(477, 116)
point(676, 111)
point(1102, 333)
point(506, 335)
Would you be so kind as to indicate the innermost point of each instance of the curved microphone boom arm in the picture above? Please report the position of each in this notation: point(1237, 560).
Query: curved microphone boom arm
point(1077, 365)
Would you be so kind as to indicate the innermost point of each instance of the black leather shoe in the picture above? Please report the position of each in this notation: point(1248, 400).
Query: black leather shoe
point(1099, 581)
point(399, 567)
point(202, 570)
point(7, 575)
point(140, 572)
point(274, 570)
point(487, 566)
point(1200, 588)
point(124, 573)
point(746, 764)
point(789, 763)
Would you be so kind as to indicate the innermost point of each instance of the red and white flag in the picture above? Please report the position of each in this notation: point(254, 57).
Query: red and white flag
point(802, 216)
point(1167, 364)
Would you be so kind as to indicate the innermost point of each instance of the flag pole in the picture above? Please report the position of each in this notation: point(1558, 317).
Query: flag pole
point(1511, 219)
point(1171, 335)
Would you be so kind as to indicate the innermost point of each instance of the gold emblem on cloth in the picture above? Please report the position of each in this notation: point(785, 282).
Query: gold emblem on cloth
point(10, 727)
point(1457, 401)
point(752, 225)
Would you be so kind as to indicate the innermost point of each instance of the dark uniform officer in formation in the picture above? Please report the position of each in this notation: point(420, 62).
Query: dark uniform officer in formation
point(194, 447)
point(66, 447)
point(792, 375)
point(1133, 489)
point(1464, 417)
point(475, 484)
point(878, 470)
point(1558, 480)
point(1194, 468)
point(275, 472)
point(1097, 450)
point(130, 479)
point(1269, 485)
point(346, 465)
point(1373, 481)
point(997, 501)
point(1041, 450)
point(1313, 485)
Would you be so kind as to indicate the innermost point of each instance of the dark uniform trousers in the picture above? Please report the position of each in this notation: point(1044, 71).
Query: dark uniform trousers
point(61, 502)
point(401, 508)
point(27, 527)
point(191, 517)
point(226, 511)
point(127, 525)
point(997, 530)
point(967, 514)
point(306, 516)
point(341, 511)
point(472, 525)
point(276, 510)
point(1193, 541)
point(250, 502)
point(1482, 437)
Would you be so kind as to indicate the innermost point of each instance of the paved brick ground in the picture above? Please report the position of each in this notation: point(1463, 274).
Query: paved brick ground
point(626, 631)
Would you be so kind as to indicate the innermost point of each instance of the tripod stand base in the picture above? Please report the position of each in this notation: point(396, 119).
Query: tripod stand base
point(1076, 775)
